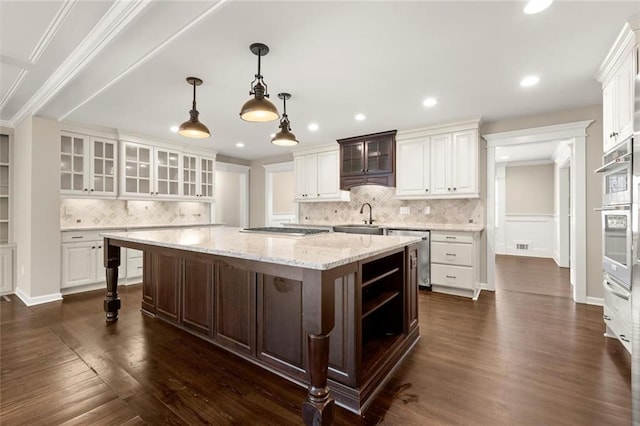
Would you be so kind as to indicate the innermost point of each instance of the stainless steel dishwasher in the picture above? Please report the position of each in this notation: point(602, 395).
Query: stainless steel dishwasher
point(424, 279)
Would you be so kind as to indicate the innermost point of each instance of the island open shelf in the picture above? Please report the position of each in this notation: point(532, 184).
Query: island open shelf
point(340, 330)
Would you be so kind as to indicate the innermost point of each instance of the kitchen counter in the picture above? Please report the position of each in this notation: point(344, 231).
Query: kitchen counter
point(420, 226)
point(274, 300)
point(135, 227)
point(320, 251)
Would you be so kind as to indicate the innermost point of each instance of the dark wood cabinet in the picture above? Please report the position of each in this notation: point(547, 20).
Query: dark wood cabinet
point(167, 275)
point(197, 306)
point(148, 285)
point(368, 160)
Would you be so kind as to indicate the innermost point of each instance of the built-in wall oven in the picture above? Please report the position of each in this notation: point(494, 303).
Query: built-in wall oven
point(617, 214)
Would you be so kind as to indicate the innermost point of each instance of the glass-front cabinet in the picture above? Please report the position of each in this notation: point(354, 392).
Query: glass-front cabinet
point(88, 166)
point(368, 160)
point(4, 189)
point(198, 176)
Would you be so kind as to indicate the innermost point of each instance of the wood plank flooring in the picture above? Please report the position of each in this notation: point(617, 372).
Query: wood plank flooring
point(513, 357)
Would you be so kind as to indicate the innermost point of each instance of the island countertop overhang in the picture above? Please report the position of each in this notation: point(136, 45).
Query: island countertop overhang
point(320, 252)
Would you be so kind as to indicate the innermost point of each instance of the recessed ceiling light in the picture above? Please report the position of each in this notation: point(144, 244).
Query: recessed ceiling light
point(536, 6)
point(240, 145)
point(429, 102)
point(531, 80)
point(174, 129)
point(360, 117)
point(313, 127)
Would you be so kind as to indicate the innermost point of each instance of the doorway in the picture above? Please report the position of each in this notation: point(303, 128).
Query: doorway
point(232, 195)
point(279, 194)
point(575, 134)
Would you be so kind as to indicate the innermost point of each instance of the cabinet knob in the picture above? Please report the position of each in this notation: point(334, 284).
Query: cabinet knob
point(86, 190)
point(366, 170)
point(99, 247)
point(91, 189)
point(93, 247)
point(318, 195)
point(426, 190)
point(361, 170)
point(455, 189)
point(448, 189)
point(151, 193)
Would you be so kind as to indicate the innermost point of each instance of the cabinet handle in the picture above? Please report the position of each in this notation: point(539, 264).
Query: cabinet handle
point(450, 254)
point(623, 337)
point(77, 238)
point(606, 317)
point(451, 276)
point(450, 238)
point(139, 267)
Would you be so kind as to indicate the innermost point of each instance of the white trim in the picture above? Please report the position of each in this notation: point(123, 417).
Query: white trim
point(119, 15)
point(231, 167)
point(148, 56)
point(7, 124)
point(526, 163)
point(279, 167)
point(51, 30)
point(18, 81)
point(443, 128)
point(621, 47)
point(578, 132)
point(38, 300)
point(597, 301)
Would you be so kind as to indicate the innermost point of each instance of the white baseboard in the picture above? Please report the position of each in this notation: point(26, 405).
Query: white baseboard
point(598, 301)
point(38, 300)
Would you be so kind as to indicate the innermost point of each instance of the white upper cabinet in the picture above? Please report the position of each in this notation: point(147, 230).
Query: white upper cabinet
point(88, 166)
point(617, 75)
point(317, 175)
point(198, 174)
point(150, 172)
point(438, 162)
point(413, 157)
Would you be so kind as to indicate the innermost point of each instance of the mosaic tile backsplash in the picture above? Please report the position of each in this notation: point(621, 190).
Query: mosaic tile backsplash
point(386, 209)
point(81, 213)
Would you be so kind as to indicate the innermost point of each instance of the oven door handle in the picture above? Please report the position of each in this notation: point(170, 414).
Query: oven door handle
point(615, 291)
point(612, 208)
point(615, 163)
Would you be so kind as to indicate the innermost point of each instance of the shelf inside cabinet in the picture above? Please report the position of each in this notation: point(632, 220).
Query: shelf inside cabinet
point(375, 347)
point(379, 277)
point(373, 304)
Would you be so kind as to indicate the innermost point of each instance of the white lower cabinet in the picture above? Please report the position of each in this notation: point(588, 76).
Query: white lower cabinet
point(6, 269)
point(134, 264)
point(83, 260)
point(455, 263)
point(617, 313)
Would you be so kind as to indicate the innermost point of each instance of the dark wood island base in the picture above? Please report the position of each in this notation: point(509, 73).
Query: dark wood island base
point(340, 332)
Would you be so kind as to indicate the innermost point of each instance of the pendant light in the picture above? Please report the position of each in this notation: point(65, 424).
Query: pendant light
point(193, 128)
point(284, 137)
point(259, 108)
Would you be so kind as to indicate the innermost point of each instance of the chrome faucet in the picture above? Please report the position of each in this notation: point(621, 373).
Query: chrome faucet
point(370, 213)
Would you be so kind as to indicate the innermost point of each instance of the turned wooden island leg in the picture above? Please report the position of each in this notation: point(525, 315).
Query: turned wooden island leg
point(111, 263)
point(318, 311)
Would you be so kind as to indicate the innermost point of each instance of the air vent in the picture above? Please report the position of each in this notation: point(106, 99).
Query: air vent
point(522, 246)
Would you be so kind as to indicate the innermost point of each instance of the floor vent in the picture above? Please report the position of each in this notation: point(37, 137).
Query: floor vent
point(522, 246)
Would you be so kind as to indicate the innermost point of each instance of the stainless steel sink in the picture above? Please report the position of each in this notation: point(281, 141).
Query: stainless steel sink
point(359, 229)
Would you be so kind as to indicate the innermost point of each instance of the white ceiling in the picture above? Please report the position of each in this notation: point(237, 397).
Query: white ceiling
point(122, 65)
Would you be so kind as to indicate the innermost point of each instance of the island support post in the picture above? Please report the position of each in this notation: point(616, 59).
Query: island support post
point(111, 263)
point(318, 309)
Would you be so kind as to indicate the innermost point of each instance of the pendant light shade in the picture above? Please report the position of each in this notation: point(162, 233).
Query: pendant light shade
point(259, 108)
point(284, 137)
point(193, 128)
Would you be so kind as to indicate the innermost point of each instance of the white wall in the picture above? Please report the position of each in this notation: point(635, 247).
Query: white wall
point(227, 198)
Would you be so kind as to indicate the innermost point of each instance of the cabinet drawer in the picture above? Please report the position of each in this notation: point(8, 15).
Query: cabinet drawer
point(453, 254)
point(451, 237)
point(452, 276)
point(78, 236)
point(619, 306)
point(134, 267)
point(134, 254)
point(617, 327)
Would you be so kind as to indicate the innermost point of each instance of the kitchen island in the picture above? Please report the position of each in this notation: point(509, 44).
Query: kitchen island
point(334, 312)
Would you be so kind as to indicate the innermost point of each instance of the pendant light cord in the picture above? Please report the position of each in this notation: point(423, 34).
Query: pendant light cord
point(194, 95)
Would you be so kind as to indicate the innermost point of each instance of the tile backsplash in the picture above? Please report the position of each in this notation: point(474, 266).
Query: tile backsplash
point(83, 213)
point(386, 209)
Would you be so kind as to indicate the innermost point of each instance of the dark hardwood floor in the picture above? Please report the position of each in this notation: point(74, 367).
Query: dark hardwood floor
point(532, 275)
point(511, 358)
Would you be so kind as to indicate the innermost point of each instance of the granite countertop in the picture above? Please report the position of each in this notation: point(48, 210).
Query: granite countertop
point(421, 226)
point(319, 251)
point(136, 227)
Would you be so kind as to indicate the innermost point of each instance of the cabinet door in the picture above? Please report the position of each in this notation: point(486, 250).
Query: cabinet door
point(100, 274)
point(189, 175)
point(464, 163)
point(300, 174)
point(608, 115)
point(167, 178)
point(235, 308)
point(137, 178)
point(352, 157)
point(328, 175)
point(440, 167)
point(412, 167)
point(167, 274)
point(78, 263)
point(197, 304)
point(73, 164)
point(379, 155)
point(311, 176)
point(207, 176)
point(624, 99)
point(103, 167)
point(6, 270)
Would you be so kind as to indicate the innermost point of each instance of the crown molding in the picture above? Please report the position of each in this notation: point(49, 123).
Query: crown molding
point(16, 83)
point(147, 57)
point(51, 30)
point(538, 134)
point(119, 15)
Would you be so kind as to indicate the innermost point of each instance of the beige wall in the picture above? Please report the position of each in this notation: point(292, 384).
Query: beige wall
point(593, 184)
point(257, 187)
point(37, 199)
point(283, 193)
point(529, 190)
